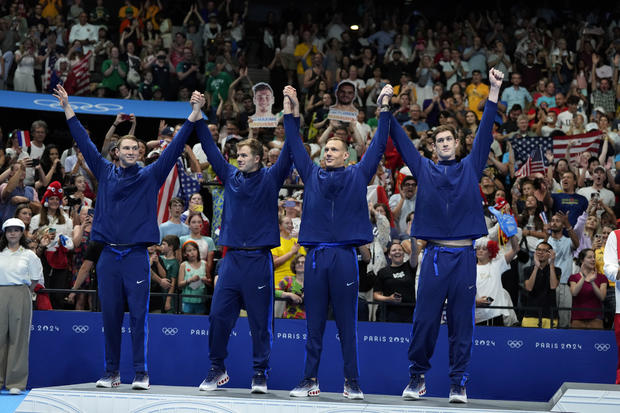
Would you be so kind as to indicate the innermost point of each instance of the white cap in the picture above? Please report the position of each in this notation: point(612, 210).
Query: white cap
point(13, 222)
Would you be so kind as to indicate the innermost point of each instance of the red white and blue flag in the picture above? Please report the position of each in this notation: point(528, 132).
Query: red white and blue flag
point(23, 138)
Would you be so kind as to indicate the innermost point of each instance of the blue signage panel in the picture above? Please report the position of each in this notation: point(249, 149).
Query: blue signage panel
point(96, 106)
point(507, 363)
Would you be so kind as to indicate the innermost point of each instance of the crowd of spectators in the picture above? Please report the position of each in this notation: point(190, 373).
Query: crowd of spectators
point(561, 79)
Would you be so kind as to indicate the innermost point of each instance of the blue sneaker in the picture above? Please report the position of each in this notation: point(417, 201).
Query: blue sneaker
point(259, 383)
point(415, 388)
point(307, 388)
point(457, 394)
point(111, 379)
point(141, 381)
point(214, 379)
point(352, 390)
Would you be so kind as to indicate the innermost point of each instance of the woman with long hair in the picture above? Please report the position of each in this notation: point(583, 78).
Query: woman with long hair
point(20, 270)
point(588, 289)
point(51, 167)
point(531, 222)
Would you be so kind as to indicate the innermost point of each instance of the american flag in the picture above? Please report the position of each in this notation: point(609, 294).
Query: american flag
point(50, 62)
point(78, 80)
point(189, 185)
point(534, 164)
point(523, 147)
point(590, 142)
point(170, 187)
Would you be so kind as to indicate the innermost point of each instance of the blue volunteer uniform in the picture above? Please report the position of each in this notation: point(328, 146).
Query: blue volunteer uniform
point(448, 207)
point(126, 223)
point(334, 221)
point(249, 230)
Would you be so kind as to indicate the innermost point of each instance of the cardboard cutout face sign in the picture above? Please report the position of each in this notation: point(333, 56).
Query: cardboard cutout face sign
point(344, 110)
point(263, 101)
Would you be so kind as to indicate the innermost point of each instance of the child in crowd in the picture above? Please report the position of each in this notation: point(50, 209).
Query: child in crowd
point(193, 279)
point(169, 246)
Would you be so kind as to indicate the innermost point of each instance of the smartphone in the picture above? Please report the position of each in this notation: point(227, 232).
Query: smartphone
point(489, 300)
point(91, 212)
point(51, 231)
point(35, 162)
point(398, 295)
point(595, 195)
point(289, 204)
point(126, 117)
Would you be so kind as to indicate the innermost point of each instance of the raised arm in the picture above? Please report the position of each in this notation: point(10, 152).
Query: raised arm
point(368, 164)
point(220, 166)
point(484, 137)
point(405, 147)
point(302, 160)
point(169, 155)
point(95, 161)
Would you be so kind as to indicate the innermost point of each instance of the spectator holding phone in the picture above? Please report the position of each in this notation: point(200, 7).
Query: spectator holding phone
point(491, 264)
point(15, 192)
point(53, 220)
point(396, 284)
point(588, 289)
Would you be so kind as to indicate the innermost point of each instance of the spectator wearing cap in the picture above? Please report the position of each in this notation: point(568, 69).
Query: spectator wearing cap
point(211, 30)
point(604, 93)
point(15, 192)
point(20, 271)
point(59, 227)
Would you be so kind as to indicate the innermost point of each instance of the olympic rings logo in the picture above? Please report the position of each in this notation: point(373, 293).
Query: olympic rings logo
point(514, 344)
point(602, 346)
point(82, 106)
point(78, 329)
point(169, 331)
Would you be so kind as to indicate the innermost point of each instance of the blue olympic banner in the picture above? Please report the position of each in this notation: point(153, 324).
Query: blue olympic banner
point(95, 106)
point(507, 363)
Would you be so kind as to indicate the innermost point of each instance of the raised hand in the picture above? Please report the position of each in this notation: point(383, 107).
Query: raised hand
point(61, 94)
point(291, 103)
point(495, 78)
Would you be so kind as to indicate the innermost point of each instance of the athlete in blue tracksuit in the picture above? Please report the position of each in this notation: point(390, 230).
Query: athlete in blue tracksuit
point(249, 230)
point(449, 216)
point(126, 223)
point(334, 221)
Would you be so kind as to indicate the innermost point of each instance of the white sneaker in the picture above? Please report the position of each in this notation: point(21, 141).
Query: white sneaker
point(141, 382)
point(457, 394)
point(15, 391)
point(111, 379)
point(214, 379)
point(307, 388)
